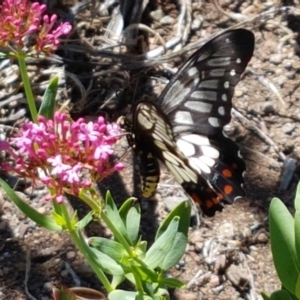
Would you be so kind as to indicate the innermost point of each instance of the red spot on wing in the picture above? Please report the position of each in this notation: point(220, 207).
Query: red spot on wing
point(228, 189)
point(227, 173)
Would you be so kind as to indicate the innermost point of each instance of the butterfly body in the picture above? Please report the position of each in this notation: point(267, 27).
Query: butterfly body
point(184, 127)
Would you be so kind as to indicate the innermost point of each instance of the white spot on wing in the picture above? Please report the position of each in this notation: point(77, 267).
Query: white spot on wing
point(219, 62)
point(203, 107)
point(217, 72)
point(226, 84)
point(209, 84)
point(207, 95)
point(183, 117)
point(199, 166)
point(185, 147)
point(224, 97)
point(210, 152)
point(238, 60)
point(196, 139)
point(207, 160)
point(232, 72)
point(221, 110)
point(214, 122)
point(192, 71)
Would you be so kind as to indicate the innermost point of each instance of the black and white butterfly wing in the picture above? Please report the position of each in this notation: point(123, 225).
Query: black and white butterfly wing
point(184, 129)
point(198, 102)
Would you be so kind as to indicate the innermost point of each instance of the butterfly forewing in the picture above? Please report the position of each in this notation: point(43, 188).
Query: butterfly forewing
point(184, 128)
point(198, 98)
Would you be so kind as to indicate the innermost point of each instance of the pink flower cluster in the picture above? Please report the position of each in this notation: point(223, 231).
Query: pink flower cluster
point(21, 20)
point(65, 155)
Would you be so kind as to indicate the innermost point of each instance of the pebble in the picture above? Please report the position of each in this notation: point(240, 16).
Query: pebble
point(214, 280)
point(167, 20)
point(288, 128)
point(196, 237)
point(238, 93)
point(157, 15)
point(268, 108)
point(64, 273)
point(276, 59)
point(262, 238)
point(288, 64)
point(48, 286)
point(281, 80)
point(190, 296)
point(290, 74)
point(227, 230)
point(196, 24)
point(71, 255)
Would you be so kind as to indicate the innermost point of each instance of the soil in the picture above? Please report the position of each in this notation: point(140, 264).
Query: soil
point(228, 256)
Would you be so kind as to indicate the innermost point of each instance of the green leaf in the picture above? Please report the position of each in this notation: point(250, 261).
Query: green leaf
point(162, 246)
point(283, 244)
point(145, 273)
point(171, 283)
point(107, 264)
point(183, 210)
point(132, 223)
point(265, 297)
point(113, 215)
point(116, 280)
point(297, 288)
point(120, 294)
point(297, 222)
point(130, 213)
point(112, 248)
point(84, 221)
point(281, 295)
point(40, 219)
point(48, 103)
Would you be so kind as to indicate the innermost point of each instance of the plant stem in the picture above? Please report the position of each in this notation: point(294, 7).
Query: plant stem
point(27, 86)
point(85, 250)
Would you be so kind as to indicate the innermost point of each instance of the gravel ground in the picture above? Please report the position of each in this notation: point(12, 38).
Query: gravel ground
point(228, 255)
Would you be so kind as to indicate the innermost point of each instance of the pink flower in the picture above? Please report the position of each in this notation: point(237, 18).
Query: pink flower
point(22, 21)
point(61, 153)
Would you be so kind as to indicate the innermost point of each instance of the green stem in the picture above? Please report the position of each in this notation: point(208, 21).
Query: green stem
point(138, 282)
point(27, 86)
point(90, 202)
point(84, 249)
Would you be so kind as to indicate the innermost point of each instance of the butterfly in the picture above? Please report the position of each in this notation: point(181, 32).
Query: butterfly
point(184, 127)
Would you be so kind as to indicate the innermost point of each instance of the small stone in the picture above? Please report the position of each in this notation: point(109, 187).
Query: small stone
point(238, 93)
point(281, 80)
point(288, 128)
point(262, 238)
point(41, 210)
point(48, 286)
point(196, 236)
point(157, 15)
point(71, 255)
point(268, 108)
point(167, 20)
point(196, 24)
point(227, 230)
point(288, 64)
point(276, 59)
point(190, 296)
point(64, 273)
point(214, 280)
point(290, 74)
